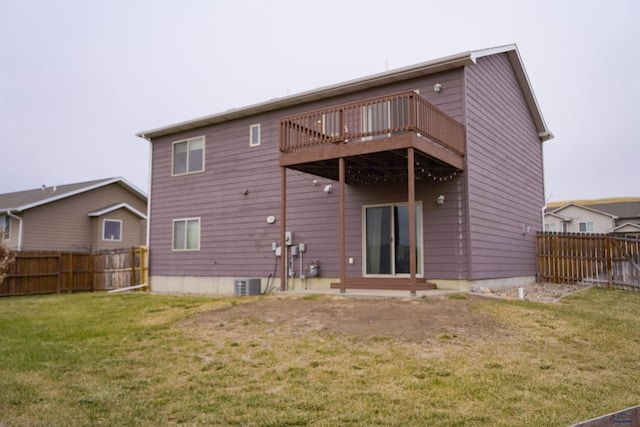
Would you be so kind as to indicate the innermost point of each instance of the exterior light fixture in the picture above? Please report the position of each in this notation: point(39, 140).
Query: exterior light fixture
point(437, 87)
point(440, 200)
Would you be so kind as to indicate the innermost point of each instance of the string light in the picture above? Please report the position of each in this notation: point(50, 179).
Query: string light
point(364, 175)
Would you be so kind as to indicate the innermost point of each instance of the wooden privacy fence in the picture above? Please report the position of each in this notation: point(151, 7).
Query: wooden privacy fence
point(593, 258)
point(45, 272)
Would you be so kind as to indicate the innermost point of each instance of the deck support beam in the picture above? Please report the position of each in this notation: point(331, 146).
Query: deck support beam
point(283, 228)
point(341, 198)
point(411, 184)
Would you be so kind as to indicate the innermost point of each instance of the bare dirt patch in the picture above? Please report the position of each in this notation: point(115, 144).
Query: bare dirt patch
point(396, 319)
point(403, 319)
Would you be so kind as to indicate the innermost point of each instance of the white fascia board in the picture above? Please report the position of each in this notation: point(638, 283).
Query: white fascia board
point(560, 217)
point(631, 225)
point(115, 208)
point(525, 84)
point(132, 187)
point(587, 209)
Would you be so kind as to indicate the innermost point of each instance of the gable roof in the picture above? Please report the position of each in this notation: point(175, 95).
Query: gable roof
point(23, 200)
point(117, 206)
point(587, 208)
point(375, 80)
point(621, 207)
point(627, 227)
point(560, 217)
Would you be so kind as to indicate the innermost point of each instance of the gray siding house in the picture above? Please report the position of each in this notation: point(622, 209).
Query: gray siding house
point(87, 216)
point(420, 177)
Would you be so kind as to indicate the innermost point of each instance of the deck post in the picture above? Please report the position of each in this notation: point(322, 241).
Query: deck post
point(412, 219)
point(343, 267)
point(283, 227)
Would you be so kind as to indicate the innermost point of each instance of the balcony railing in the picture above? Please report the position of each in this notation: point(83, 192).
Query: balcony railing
point(371, 119)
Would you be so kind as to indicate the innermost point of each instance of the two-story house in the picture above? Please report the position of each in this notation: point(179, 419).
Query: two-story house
point(428, 175)
point(86, 216)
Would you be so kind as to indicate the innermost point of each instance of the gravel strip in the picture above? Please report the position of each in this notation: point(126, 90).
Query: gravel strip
point(542, 292)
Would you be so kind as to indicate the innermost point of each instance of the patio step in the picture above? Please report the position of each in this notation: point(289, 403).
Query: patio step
point(392, 283)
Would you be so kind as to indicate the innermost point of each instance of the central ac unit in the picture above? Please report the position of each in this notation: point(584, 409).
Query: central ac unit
point(246, 286)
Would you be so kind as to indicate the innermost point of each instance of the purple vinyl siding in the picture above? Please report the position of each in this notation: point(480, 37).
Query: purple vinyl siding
point(235, 237)
point(504, 172)
point(484, 230)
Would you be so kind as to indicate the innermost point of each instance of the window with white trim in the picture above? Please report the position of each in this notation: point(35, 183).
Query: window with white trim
point(5, 227)
point(254, 135)
point(186, 234)
point(550, 227)
point(586, 227)
point(112, 229)
point(188, 156)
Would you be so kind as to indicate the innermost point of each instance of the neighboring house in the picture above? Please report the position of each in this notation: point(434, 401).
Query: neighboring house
point(442, 160)
point(87, 216)
point(604, 216)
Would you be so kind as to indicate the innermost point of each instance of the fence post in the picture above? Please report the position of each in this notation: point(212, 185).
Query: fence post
point(556, 259)
point(144, 267)
point(609, 256)
point(60, 278)
point(132, 279)
point(92, 270)
point(71, 281)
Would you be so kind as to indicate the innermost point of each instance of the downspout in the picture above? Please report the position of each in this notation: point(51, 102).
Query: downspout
point(19, 228)
point(149, 176)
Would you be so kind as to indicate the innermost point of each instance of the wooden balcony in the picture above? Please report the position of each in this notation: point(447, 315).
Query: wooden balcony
point(373, 136)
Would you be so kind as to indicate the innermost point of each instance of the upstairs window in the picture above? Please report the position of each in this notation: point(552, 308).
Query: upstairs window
point(254, 135)
point(188, 156)
point(186, 234)
point(586, 227)
point(112, 229)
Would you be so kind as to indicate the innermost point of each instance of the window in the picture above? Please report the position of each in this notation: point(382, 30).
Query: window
point(254, 135)
point(186, 234)
point(325, 125)
point(565, 227)
point(586, 227)
point(376, 118)
point(112, 229)
point(550, 227)
point(5, 227)
point(188, 156)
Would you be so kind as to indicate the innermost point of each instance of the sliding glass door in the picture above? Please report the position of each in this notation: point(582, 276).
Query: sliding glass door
point(376, 118)
point(386, 238)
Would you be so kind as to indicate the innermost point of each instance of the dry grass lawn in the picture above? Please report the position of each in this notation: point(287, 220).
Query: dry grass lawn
point(149, 360)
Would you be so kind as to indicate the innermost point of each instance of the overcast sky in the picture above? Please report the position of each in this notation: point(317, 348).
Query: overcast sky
point(78, 79)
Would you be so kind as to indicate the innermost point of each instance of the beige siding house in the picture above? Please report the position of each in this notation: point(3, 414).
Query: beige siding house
point(605, 216)
point(87, 216)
